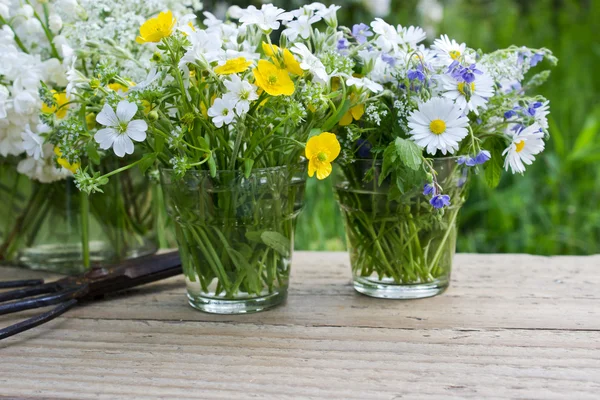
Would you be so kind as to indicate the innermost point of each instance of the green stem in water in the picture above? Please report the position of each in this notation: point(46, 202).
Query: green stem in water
point(85, 228)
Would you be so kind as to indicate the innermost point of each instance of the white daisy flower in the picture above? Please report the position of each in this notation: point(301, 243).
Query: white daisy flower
point(241, 93)
point(300, 27)
point(412, 35)
point(267, 18)
point(309, 62)
point(469, 96)
point(4, 95)
point(525, 145)
point(438, 124)
point(120, 129)
point(448, 50)
point(222, 111)
point(364, 82)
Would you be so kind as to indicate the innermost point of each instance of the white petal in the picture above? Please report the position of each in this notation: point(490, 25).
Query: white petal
point(136, 130)
point(123, 145)
point(107, 116)
point(126, 111)
point(106, 137)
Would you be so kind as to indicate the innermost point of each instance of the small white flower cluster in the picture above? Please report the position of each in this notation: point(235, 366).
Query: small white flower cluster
point(39, 41)
point(375, 113)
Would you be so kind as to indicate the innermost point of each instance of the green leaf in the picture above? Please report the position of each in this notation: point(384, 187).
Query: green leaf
point(335, 118)
point(212, 165)
point(159, 143)
point(92, 152)
point(389, 157)
point(248, 163)
point(147, 161)
point(277, 242)
point(254, 236)
point(493, 168)
point(410, 153)
point(588, 134)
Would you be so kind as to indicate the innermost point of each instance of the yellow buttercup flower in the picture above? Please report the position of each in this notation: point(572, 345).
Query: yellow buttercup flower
point(63, 161)
point(157, 28)
point(321, 151)
point(116, 86)
point(233, 66)
point(61, 107)
point(273, 80)
point(354, 113)
point(290, 63)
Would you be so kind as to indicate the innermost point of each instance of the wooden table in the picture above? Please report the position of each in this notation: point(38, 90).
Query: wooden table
point(510, 326)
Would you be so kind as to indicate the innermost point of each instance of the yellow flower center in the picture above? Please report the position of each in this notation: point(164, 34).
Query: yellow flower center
point(520, 146)
point(272, 79)
point(461, 88)
point(437, 126)
point(322, 156)
point(454, 54)
point(122, 127)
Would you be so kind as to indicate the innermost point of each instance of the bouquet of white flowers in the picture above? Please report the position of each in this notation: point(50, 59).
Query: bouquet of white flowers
point(47, 50)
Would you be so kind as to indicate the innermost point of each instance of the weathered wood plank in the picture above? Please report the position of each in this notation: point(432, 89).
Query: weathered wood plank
point(487, 291)
point(104, 358)
point(511, 326)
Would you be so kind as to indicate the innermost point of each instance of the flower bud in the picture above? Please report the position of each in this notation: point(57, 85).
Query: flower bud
point(156, 57)
point(95, 83)
point(153, 116)
point(55, 23)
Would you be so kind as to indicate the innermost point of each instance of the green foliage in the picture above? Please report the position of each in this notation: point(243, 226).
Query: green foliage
point(552, 209)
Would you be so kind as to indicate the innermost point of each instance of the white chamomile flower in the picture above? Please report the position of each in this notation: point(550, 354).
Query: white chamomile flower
point(309, 62)
point(267, 18)
point(32, 143)
point(438, 124)
point(240, 93)
point(412, 35)
point(300, 27)
point(120, 129)
point(222, 111)
point(525, 145)
point(469, 96)
point(366, 83)
point(448, 50)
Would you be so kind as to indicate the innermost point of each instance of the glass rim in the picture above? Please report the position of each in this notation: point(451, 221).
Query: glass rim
point(433, 159)
point(301, 163)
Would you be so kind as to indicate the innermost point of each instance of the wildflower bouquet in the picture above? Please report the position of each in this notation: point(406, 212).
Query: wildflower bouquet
point(49, 53)
point(226, 113)
point(438, 113)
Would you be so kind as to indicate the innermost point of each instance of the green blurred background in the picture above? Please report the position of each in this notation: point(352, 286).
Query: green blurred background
point(555, 207)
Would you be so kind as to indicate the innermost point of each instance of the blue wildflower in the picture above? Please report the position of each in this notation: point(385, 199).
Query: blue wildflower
point(470, 162)
point(440, 201)
point(509, 114)
point(536, 59)
point(468, 73)
point(461, 160)
point(416, 74)
point(361, 32)
point(429, 189)
point(482, 157)
point(390, 60)
point(343, 44)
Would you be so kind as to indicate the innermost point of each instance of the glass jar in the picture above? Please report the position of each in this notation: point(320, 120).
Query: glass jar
point(54, 226)
point(402, 248)
point(235, 235)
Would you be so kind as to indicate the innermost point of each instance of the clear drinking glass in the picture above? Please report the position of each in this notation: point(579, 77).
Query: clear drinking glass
point(399, 249)
point(235, 235)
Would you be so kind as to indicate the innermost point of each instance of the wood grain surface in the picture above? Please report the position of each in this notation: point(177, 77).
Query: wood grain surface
point(510, 326)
